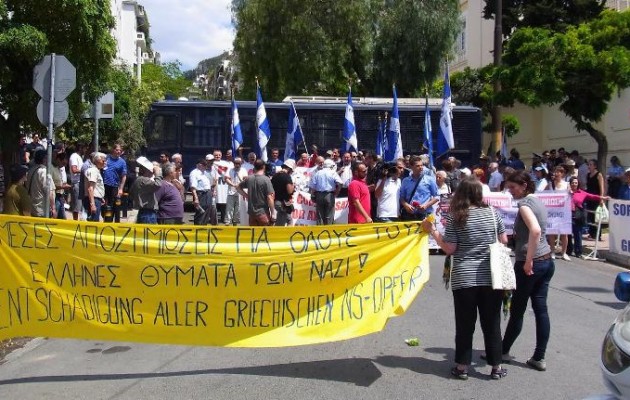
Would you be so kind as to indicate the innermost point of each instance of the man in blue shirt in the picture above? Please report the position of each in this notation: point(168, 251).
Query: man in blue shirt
point(418, 192)
point(114, 177)
point(624, 190)
point(325, 185)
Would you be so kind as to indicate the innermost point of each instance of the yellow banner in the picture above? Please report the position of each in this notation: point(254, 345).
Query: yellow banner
point(205, 285)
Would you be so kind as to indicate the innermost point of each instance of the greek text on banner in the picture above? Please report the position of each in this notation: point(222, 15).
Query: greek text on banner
point(205, 285)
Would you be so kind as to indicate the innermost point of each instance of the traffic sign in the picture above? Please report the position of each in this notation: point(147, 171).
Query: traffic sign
point(60, 114)
point(65, 77)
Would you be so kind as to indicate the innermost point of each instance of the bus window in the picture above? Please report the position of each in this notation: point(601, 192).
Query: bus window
point(327, 127)
point(163, 130)
point(205, 127)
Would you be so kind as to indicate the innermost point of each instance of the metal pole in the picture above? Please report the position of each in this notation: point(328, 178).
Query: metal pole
point(498, 49)
point(51, 130)
point(96, 138)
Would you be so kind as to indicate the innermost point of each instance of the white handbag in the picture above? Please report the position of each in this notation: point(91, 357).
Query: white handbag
point(501, 268)
point(601, 214)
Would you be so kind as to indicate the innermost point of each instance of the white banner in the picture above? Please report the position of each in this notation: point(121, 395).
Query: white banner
point(619, 227)
point(305, 213)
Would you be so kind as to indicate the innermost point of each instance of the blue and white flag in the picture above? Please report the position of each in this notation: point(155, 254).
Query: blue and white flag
point(380, 137)
point(349, 130)
point(394, 150)
point(428, 131)
point(445, 136)
point(294, 134)
point(237, 135)
point(264, 132)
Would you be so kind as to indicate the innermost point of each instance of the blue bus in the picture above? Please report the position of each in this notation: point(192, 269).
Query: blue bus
point(196, 128)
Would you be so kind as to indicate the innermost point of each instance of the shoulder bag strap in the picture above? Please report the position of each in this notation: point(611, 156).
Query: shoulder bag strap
point(414, 189)
point(494, 222)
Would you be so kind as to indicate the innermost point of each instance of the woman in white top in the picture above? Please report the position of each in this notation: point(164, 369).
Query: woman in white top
point(559, 184)
point(541, 179)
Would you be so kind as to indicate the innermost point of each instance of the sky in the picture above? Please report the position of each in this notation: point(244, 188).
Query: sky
point(189, 30)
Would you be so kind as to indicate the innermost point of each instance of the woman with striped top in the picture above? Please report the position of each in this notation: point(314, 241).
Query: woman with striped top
point(470, 228)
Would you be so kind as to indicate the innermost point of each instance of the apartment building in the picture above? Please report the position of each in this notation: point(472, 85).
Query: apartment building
point(542, 127)
point(131, 33)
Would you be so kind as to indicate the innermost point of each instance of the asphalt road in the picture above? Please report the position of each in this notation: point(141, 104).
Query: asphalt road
point(379, 366)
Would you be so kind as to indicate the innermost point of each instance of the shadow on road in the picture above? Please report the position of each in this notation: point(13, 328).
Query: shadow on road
point(614, 305)
point(359, 371)
point(588, 289)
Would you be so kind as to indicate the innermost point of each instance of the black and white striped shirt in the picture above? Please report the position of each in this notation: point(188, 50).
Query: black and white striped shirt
point(471, 260)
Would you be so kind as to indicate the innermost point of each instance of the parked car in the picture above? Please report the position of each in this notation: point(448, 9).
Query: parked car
point(615, 360)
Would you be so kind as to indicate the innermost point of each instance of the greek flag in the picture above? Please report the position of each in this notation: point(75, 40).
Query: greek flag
point(349, 131)
point(445, 136)
point(428, 139)
point(294, 134)
point(264, 133)
point(394, 139)
point(237, 135)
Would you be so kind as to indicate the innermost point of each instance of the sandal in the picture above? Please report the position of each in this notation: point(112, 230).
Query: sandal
point(498, 373)
point(459, 373)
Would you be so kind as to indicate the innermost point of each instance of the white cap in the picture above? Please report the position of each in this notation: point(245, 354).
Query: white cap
point(289, 163)
point(329, 164)
point(209, 157)
point(145, 163)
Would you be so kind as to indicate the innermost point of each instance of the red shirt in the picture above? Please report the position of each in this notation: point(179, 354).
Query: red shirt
point(358, 189)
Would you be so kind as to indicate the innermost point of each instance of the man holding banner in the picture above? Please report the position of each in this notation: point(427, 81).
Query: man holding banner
point(418, 193)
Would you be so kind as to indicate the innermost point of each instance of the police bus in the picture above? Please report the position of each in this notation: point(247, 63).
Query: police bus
point(196, 128)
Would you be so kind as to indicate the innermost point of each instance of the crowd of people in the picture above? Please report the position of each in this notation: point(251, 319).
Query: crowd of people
point(101, 186)
point(98, 187)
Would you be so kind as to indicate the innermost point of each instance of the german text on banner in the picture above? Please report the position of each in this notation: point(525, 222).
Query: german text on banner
point(205, 285)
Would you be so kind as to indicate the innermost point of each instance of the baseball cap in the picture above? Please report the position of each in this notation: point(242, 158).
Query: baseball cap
point(145, 163)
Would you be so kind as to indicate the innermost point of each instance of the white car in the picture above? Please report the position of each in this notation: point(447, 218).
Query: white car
point(615, 360)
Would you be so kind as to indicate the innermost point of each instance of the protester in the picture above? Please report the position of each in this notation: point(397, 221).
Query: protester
point(115, 176)
point(578, 214)
point(94, 186)
point(16, 199)
point(540, 172)
point(169, 199)
point(418, 193)
point(143, 191)
point(260, 195)
point(388, 195)
point(495, 179)
point(201, 188)
point(559, 184)
point(283, 189)
point(534, 268)
point(235, 176)
point(345, 173)
point(39, 185)
point(615, 172)
point(470, 228)
point(60, 180)
point(220, 170)
point(325, 185)
point(275, 157)
point(76, 161)
point(479, 174)
point(594, 185)
point(440, 180)
point(359, 196)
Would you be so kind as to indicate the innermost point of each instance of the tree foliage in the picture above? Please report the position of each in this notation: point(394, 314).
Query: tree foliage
point(30, 29)
point(579, 69)
point(310, 47)
point(413, 38)
point(554, 15)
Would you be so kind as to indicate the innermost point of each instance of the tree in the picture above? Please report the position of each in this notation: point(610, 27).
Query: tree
point(310, 47)
point(554, 15)
point(301, 46)
point(414, 38)
point(579, 69)
point(30, 29)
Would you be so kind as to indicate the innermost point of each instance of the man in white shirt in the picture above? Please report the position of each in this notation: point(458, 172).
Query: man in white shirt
point(39, 184)
point(76, 161)
point(201, 188)
point(235, 176)
point(387, 194)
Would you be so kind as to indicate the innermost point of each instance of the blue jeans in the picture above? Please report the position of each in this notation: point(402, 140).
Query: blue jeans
point(60, 202)
point(534, 287)
point(86, 206)
point(147, 216)
point(577, 237)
